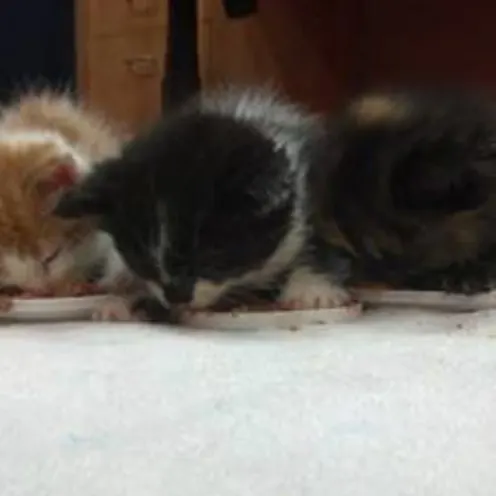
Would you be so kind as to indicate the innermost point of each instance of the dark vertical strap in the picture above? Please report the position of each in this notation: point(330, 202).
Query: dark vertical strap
point(182, 78)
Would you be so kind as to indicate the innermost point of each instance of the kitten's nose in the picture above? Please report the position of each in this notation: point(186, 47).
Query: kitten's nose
point(180, 291)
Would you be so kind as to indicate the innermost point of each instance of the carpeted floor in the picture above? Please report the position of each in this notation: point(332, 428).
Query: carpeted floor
point(393, 404)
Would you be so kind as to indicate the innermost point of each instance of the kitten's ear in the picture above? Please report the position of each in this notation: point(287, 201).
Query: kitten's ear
point(52, 178)
point(59, 177)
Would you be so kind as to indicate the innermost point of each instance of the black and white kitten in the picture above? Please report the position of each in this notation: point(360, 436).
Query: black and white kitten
point(213, 201)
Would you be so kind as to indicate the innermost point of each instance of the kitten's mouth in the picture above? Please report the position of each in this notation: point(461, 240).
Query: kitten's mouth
point(234, 301)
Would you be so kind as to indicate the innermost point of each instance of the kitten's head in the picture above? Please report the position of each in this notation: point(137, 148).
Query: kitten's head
point(35, 246)
point(201, 204)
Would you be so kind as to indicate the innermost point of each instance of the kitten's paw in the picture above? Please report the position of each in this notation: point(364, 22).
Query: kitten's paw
point(455, 280)
point(308, 290)
point(6, 304)
point(114, 309)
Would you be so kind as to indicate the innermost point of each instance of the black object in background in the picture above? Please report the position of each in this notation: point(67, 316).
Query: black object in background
point(37, 45)
point(239, 8)
point(182, 77)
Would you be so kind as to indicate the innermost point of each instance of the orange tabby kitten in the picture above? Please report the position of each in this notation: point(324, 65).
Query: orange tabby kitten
point(48, 141)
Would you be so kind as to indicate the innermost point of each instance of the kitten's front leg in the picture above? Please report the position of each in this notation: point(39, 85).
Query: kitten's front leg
point(114, 309)
point(307, 288)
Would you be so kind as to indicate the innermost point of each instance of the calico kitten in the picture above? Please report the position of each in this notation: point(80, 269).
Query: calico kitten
point(47, 143)
point(212, 202)
point(405, 183)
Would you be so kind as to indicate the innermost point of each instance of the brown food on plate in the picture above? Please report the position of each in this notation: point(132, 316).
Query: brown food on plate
point(262, 306)
point(67, 291)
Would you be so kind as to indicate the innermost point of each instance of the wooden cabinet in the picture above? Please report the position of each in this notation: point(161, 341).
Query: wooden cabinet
point(233, 50)
point(304, 47)
point(115, 17)
point(120, 53)
point(321, 51)
point(429, 41)
point(318, 52)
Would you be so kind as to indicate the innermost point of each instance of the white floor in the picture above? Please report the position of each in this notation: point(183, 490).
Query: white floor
point(390, 405)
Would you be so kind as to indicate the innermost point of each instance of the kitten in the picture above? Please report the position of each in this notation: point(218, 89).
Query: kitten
point(47, 143)
point(212, 203)
point(405, 183)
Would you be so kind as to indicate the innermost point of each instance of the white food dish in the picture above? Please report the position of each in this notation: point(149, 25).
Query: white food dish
point(288, 319)
point(428, 299)
point(53, 309)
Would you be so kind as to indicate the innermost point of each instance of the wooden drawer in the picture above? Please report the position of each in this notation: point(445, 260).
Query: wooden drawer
point(113, 17)
point(123, 74)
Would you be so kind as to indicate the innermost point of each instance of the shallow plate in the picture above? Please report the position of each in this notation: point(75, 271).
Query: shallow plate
point(428, 299)
point(290, 319)
point(53, 309)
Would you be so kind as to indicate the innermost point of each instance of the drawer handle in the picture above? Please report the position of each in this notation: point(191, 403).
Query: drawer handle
point(143, 66)
point(142, 7)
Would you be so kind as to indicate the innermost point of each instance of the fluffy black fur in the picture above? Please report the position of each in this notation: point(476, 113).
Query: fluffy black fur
point(216, 194)
point(405, 183)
